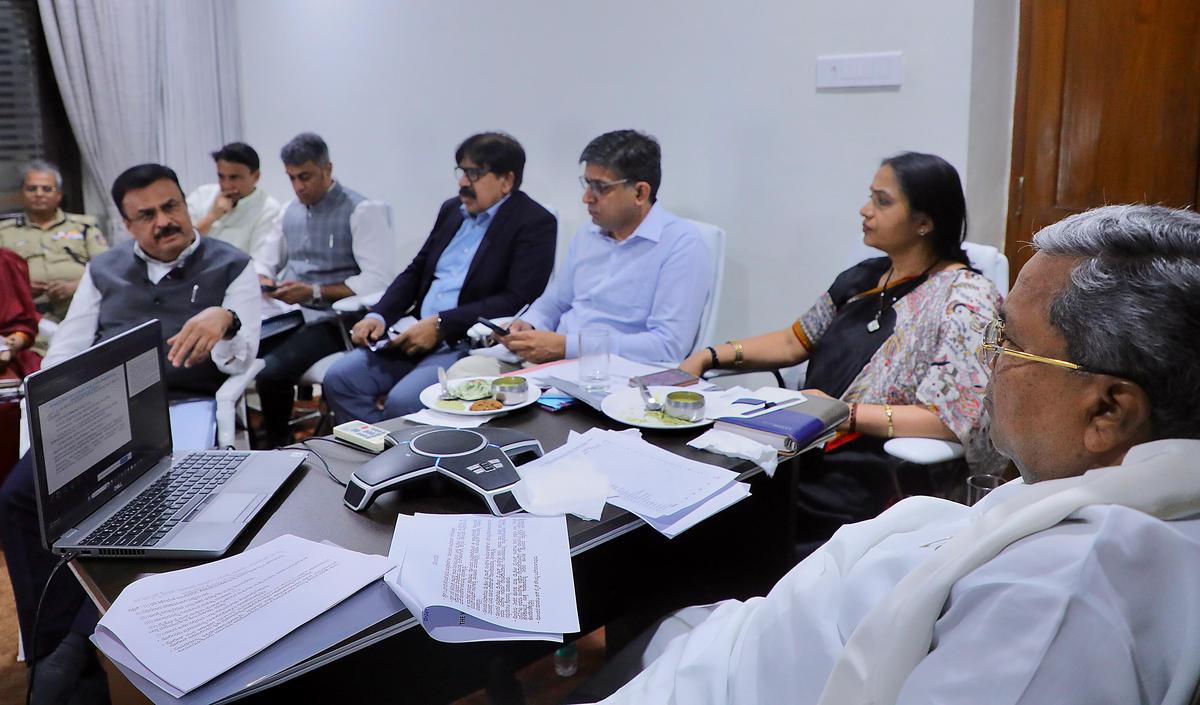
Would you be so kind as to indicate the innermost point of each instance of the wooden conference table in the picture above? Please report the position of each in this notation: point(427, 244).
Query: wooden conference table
point(621, 566)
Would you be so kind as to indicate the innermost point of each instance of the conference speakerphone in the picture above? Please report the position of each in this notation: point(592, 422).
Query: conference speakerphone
point(483, 460)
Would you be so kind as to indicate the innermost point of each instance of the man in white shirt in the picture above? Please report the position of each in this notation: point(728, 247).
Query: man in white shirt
point(206, 295)
point(237, 211)
point(1075, 584)
point(339, 244)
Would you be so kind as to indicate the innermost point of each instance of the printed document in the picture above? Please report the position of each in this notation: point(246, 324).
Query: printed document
point(668, 491)
point(181, 629)
point(485, 578)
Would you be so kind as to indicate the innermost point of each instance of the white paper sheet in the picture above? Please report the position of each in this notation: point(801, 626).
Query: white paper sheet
point(718, 404)
point(619, 371)
point(476, 578)
point(430, 417)
point(647, 480)
point(186, 627)
point(736, 446)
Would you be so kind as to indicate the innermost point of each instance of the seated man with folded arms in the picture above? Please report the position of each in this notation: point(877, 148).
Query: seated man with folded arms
point(491, 252)
point(338, 243)
point(56, 245)
point(637, 270)
point(205, 293)
point(237, 211)
point(1074, 584)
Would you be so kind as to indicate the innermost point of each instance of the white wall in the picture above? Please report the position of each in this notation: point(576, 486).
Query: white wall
point(728, 88)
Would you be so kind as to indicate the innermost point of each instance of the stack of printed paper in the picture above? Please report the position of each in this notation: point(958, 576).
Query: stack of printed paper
point(485, 578)
point(670, 492)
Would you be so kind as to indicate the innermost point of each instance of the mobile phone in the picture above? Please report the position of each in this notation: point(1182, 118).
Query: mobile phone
point(268, 288)
point(666, 378)
point(495, 328)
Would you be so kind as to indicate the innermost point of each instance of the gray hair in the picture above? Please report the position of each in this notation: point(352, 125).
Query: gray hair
point(1133, 304)
point(43, 166)
point(305, 147)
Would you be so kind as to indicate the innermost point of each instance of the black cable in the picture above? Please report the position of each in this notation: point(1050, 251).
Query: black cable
point(31, 657)
point(328, 471)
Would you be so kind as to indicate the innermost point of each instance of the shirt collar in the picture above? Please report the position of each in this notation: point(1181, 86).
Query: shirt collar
point(59, 218)
point(178, 262)
point(333, 189)
point(486, 215)
point(650, 228)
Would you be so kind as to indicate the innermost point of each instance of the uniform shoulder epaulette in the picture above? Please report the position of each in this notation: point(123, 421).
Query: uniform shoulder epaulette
point(82, 219)
point(15, 221)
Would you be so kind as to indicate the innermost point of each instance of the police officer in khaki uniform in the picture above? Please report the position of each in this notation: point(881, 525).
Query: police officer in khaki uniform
point(56, 245)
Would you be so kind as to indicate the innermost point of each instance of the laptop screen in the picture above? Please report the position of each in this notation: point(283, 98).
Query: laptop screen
point(97, 422)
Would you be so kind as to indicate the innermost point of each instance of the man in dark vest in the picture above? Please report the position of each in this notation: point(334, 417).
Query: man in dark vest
point(206, 294)
point(339, 243)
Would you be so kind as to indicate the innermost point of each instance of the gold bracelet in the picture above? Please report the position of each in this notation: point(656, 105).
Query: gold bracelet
point(737, 352)
point(887, 409)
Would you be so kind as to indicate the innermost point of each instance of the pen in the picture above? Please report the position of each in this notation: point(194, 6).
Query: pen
point(522, 311)
point(195, 290)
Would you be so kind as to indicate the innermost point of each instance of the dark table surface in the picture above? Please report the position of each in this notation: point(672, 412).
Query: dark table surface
point(620, 564)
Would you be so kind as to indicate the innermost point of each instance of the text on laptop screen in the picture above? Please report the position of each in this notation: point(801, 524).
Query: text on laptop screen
point(98, 421)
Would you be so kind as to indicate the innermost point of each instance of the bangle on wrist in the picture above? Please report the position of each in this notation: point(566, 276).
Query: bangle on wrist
point(712, 353)
point(887, 409)
point(737, 352)
point(853, 417)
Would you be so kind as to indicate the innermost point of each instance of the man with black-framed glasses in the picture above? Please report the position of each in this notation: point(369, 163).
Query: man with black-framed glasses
point(490, 252)
point(1075, 584)
point(637, 270)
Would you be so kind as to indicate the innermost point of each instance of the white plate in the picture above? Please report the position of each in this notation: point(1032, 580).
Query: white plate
point(431, 394)
point(625, 405)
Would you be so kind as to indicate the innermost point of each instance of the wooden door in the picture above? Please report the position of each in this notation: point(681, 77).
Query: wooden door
point(1107, 110)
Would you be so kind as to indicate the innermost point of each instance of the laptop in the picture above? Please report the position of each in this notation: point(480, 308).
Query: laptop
point(106, 480)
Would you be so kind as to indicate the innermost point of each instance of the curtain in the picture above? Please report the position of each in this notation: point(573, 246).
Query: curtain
point(146, 81)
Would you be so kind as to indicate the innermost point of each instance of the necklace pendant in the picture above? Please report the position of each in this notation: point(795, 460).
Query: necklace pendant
point(873, 325)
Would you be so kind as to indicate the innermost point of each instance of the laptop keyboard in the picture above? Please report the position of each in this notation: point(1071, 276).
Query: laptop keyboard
point(166, 502)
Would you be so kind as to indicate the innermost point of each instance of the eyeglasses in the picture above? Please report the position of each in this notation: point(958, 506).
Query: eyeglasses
point(473, 173)
point(34, 188)
point(993, 346)
point(599, 188)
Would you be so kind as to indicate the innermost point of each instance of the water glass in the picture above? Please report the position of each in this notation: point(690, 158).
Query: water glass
point(593, 359)
point(979, 485)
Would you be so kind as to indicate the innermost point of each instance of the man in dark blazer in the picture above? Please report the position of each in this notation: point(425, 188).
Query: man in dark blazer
point(490, 253)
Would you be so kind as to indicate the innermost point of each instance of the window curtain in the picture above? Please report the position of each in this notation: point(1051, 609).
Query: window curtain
point(146, 81)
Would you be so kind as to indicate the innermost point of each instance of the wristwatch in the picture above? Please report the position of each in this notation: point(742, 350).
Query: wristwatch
point(234, 326)
point(316, 296)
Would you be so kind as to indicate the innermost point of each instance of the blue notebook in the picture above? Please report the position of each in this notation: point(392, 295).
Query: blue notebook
point(793, 429)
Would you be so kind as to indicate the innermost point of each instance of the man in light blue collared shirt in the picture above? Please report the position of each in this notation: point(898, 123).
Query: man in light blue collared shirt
point(637, 270)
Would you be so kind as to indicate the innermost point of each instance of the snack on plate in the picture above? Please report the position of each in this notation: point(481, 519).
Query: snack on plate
point(487, 405)
point(472, 389)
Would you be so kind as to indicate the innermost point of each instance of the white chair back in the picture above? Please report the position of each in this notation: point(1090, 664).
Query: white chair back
point(714, 240)
point(990, 262)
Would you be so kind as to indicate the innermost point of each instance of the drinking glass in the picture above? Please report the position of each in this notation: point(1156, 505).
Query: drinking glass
point(979, 485)
point(593, 359)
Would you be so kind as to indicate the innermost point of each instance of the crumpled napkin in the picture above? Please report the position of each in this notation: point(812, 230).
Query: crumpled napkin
point(569, 485)
point(735, 446)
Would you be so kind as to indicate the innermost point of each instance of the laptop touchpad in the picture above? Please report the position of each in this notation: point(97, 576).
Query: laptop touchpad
point(227, 506)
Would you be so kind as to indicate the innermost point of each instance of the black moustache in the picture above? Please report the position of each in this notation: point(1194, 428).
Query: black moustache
point(168, 230)
point(466, 192)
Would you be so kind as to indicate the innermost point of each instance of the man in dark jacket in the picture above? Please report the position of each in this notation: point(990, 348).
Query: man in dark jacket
point(491, 251)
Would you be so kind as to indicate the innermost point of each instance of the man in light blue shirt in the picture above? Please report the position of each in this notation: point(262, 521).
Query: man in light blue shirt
point(490, 252)
point(637, 270)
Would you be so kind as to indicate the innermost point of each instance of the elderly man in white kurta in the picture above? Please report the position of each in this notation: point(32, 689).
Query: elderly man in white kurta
point(1076, 583)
